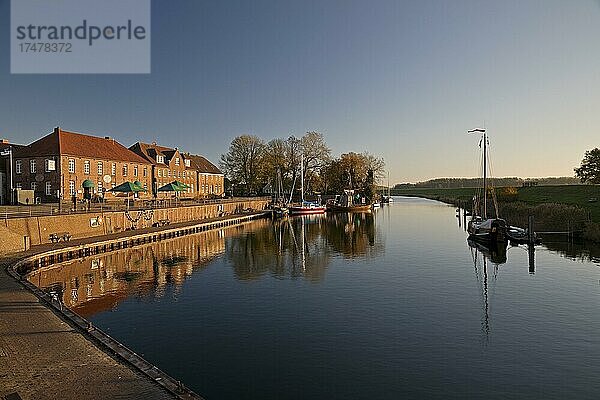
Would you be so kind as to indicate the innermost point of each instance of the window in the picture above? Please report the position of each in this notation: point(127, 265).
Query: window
point(145, 172)
point(18, 167)
point(86, 167)
point(177, 161)
point(71, 165)
point(160, 159)
point(188, 163)
point(125, 169)
point(33, 186)
point(169, 173)
point(100, 168)
point(19, 185)
point(48, 188)
point(135, 170)
point(113, 169)
point(192, 186)
point(160, 173)
point(50, 165)
point(32, 166)
point(100, 186)
point(72, 188)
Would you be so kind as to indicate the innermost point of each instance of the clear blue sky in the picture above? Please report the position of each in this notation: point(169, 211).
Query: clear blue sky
point(403, 80)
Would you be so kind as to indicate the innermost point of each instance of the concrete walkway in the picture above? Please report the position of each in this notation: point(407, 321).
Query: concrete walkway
point(43, 357)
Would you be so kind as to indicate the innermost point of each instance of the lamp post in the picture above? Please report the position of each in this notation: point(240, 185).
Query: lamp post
point(8, 152)
point(232, 185)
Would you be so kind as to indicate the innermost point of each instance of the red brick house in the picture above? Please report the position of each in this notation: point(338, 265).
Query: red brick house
point(58, 164)
point(168, 165)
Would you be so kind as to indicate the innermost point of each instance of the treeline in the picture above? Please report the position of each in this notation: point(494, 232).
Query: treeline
point(454, 183)
point(253, 166)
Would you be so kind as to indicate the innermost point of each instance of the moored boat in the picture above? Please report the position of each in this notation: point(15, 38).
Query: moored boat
point(481, 228)
point(306, 207)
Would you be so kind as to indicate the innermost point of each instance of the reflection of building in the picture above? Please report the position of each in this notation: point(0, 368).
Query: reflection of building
point(66, 164)
point(96, 284)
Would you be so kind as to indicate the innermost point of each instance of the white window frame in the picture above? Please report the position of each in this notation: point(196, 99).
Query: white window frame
point(18, 167)
point(135, 170)
point(71, 165)
point(86, 167)
point(48, 188)
point(33, 186)
point(72, 191)
point(100, 168)
point(125, 169)
point(32, 166)
point(113, 169)
point(177, 161)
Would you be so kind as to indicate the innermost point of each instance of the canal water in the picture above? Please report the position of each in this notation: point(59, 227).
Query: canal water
point(388, 305)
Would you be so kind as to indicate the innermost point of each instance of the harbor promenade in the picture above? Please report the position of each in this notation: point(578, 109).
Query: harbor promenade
point(44, 355)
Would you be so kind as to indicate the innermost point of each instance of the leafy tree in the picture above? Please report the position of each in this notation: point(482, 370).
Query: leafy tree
point(243, 162)
point(589, 171)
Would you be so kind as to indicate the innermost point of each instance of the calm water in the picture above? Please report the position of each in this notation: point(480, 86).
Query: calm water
point(384, 306)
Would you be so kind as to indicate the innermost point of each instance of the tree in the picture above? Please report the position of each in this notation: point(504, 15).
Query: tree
point(353, 171)
point(589, 171)
point(316, 155)
point(243, 162)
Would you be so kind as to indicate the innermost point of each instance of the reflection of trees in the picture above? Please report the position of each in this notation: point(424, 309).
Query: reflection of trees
point(301, 246)
point(352, 234)
point(289, 247)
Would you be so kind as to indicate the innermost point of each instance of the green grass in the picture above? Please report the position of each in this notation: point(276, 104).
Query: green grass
point(572, 195)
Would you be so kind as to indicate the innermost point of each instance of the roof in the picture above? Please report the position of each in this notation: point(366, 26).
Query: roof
point(61, 142)
point(202, 165)
point(150, 151)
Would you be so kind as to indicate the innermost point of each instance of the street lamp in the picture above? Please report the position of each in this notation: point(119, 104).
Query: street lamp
point(4, 153)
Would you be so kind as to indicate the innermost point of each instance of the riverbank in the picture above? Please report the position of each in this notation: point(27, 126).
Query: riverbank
point(50, 352)
point(573, 208)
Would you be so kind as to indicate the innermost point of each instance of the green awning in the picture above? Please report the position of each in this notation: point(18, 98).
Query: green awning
point(174, 186)
point(87, 184)
point(127, 187)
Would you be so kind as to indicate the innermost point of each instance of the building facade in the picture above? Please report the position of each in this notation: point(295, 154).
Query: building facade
point(57, 165)
point(168, 165)
point(210, 180)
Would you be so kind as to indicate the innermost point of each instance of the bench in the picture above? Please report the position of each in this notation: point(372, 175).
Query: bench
point(162, 222)
point(57, 237)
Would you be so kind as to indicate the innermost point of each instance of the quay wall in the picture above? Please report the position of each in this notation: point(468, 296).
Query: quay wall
point(38, 229)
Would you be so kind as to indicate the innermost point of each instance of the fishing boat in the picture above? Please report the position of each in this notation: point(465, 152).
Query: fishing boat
point(305, 207)
point(387, 199)
point(346, 203)
point(482, 228)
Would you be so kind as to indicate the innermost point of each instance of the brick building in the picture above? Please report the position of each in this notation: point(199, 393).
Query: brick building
point(210, 181)
point(168, 165)
point(58, 164)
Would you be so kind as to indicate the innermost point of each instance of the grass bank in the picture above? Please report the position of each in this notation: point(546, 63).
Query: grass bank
point(555, 208)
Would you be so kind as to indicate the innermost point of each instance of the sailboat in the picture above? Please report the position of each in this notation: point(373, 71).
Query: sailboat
point(481, 228)
point(305, 207)
point(388, 198)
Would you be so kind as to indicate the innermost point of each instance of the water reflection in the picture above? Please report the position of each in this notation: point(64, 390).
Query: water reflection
point(301, 246)
point(294, 247)
point(93, 284)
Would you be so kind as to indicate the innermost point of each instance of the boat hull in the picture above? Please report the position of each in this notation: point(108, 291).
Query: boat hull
point(306, 210)
point(337, 208)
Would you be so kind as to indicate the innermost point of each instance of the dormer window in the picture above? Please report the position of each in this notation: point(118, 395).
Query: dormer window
point(188, 163)
point(160, 159)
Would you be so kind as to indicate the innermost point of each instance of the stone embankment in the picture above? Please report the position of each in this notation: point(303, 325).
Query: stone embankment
point(17, 234)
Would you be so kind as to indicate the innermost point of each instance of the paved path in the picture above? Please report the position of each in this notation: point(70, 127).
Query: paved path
point(43, 357)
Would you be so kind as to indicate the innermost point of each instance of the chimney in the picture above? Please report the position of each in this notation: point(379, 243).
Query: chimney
point(153, 143)
point(57, 130)
point(4, 141)
point(107, 137)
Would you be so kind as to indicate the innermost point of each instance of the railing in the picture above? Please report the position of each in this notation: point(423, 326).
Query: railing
point(44, 210)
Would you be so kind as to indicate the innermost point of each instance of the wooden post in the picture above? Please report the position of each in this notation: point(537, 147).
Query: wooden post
point(530, 231)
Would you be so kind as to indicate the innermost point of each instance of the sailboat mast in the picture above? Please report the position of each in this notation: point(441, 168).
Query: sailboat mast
point(484, 175)
point(302, 175)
